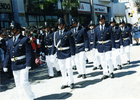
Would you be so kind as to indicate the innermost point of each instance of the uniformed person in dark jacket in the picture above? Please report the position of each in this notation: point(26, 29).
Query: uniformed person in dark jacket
point(116, 54)
point(104, 41)
point(93, 52)
point(19, 53)
point(127, 39)
point(47, 48)
point(81, 46)
point(65, 49)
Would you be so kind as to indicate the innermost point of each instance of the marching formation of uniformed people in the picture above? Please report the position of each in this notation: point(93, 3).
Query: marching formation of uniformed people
point(65, 49)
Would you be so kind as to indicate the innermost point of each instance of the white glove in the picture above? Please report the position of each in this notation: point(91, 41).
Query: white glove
point(113, 49)
point(28, 67)
point(130, 45)
point(73, 57)
point(86, 49)
point(5, 69)
point(43, 54)
point(121, 47)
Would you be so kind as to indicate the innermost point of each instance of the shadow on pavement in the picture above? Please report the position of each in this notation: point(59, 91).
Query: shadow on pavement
point(64, 95)
point(89, 66)
point(93, 74)
point(121, 74)
point(130, 66)
point(135, 62)
point(86, 83)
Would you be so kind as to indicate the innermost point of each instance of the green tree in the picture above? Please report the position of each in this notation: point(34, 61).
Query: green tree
point(69, 6)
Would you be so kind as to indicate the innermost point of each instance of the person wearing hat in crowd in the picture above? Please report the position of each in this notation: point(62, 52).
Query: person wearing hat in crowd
point(48, 42)
point(65, 49)
point(93, 52)
point(19, 54)
point(2, 49)
point(103, 40)
point(136, 33)
point(127, 39)
point(81, 46)
point(116, 54)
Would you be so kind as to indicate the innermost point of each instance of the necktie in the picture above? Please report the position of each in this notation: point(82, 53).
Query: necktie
point(14, 40)
point(101, 28)
point(60, 34)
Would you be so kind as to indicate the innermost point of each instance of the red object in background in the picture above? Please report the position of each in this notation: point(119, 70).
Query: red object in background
point(33, 43)
point(38, 61)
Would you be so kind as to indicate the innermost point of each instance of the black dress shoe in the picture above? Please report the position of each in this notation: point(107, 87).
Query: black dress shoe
point(128, 62)
point(104, 77)
point(87, 61)
point(94, 68)
point(58, 73)
point(79, 76)
point(72, 86)
point(115, 69)
point(119, 67)
point(84, 76)
point(100, 67)
point(74, 68)
point(50, 77)
point(111, 75)
point(64, 86)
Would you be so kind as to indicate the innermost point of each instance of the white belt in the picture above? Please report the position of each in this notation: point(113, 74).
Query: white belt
point(18, 58)
point(79, 44)
point(102, 42)
point(117, 40)
point(48, 46)
point(63, 48)
point(125, 38)
point(91, 42)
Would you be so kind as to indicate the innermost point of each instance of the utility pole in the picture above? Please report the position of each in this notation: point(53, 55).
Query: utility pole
point(92, 11)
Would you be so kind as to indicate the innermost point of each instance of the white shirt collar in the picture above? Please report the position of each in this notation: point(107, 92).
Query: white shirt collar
point(47, 33)
point(101, 26)
point(62, 30)
point(16, 37)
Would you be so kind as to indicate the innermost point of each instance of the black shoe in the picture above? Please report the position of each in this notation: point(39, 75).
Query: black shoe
point(104, 77)
point(79, 76)
point(94, 68)
point(128, 62)
point(115, 69)
point(119, 67)
point(111, 75)
point(84, 76)
point(64, 86)
point(50, 77)
point(87, 61)
point(58, 73)
point(72, 86)
point(100, 67)
point(74, 68)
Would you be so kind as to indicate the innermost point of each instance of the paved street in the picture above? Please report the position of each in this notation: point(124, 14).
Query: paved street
point(125, 85)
